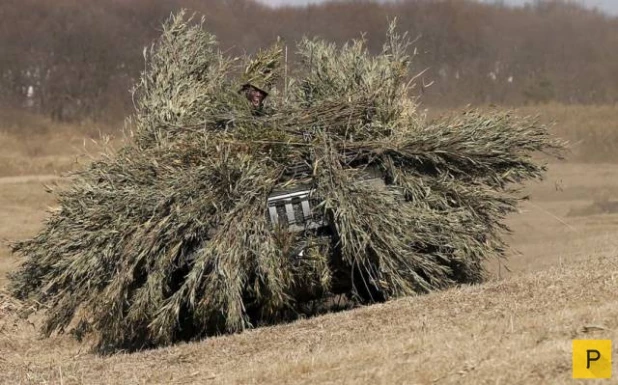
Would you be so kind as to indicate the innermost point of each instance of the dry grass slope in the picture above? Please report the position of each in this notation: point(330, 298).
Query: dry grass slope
point(31, 144)
point(508, 332)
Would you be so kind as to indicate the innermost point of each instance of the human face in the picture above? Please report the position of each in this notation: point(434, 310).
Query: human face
point(255, 96)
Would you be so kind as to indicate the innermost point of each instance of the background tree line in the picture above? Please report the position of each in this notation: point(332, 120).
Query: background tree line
point(76, 59)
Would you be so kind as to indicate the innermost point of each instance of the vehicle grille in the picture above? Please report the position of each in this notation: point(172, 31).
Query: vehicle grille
point(294, 210)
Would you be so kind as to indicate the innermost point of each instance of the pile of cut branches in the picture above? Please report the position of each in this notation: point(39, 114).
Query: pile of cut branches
point(168, 238)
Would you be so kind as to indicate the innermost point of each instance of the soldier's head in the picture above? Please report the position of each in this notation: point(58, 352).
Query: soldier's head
point(255, 95)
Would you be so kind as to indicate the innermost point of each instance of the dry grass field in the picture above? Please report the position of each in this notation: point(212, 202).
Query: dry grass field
point(559, 284)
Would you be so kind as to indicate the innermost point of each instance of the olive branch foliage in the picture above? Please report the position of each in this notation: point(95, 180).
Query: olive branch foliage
point(167, 239)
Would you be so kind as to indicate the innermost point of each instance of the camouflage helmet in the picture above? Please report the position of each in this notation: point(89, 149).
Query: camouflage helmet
point(262, 70)
point(256, 83)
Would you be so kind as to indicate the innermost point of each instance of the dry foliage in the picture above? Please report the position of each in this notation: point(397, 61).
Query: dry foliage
point(168, 239)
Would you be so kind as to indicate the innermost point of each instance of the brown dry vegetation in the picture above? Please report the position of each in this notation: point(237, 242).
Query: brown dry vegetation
point(517, 328)
point(81, 56)
point(591, 130)
point(31, 144)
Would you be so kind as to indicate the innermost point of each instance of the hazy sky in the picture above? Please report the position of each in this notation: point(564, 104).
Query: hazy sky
point(610, 6)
